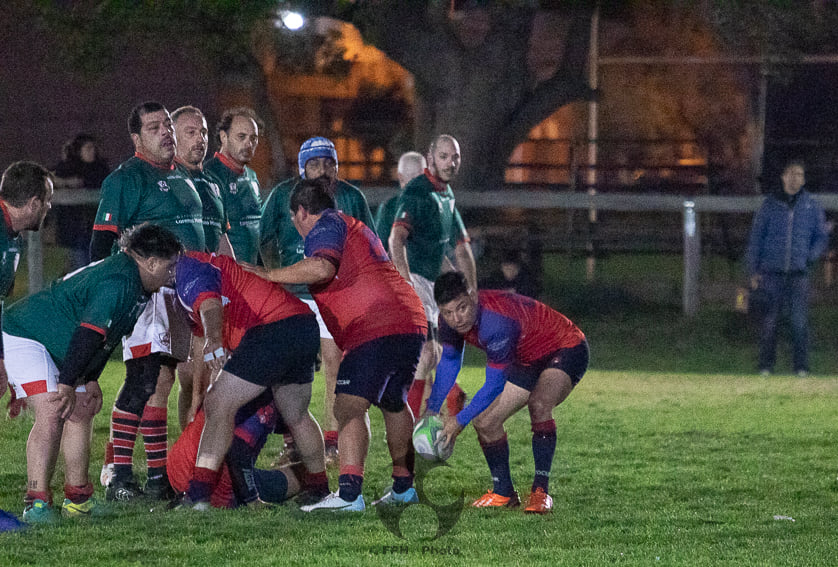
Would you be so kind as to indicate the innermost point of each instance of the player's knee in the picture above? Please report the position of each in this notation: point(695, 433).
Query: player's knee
point(540, 410)
point(83, 412)
point(347, 410)
point(134, 396)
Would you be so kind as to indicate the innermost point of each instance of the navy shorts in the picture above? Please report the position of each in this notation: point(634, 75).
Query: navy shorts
point(381, 370)
point(277, 353)
point(572, 361)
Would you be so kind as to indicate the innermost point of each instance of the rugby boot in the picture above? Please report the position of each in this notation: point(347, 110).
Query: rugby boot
point(391, 497)
point(539, 502)
point(123, 490)
point(334, 503)
point(492, 500)
point(39, 512)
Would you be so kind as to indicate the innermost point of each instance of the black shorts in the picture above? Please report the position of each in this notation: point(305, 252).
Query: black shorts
point(572, 361)
point(277, 353)
point(381, 370)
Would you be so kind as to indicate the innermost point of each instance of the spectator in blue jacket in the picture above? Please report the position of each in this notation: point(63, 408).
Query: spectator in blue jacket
point(788, 236)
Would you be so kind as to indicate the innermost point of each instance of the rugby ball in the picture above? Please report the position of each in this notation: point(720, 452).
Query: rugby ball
point(425, 435)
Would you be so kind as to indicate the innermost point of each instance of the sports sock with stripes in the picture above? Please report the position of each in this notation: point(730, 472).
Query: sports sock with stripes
point(153, 428)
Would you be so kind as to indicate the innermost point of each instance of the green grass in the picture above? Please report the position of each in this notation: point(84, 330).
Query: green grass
point(652, 468)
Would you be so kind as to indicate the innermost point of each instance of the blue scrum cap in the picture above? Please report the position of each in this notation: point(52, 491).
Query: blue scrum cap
point(315, 148)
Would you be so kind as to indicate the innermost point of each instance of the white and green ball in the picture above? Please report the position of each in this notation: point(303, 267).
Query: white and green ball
point(425, 436)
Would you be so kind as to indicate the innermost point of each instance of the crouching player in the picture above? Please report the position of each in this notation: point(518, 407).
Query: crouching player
point(377, 321)
point(272, 338)
point(57, 343)
point(535, 356)
point(239, 483)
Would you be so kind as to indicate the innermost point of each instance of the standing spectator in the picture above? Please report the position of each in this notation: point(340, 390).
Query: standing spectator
point(281, 245)
point(238, 134)
point(411, 165)
point(427, 226)
point(788, 236)
point(82, 167)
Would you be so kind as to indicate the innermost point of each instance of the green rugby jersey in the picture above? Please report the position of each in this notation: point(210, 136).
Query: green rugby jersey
point(384, 217)
point(277, 232)
point(10, 245)
point(139, 191)
point(430, 215)
point(106, 296)
point(213, 217)
point(242, 204)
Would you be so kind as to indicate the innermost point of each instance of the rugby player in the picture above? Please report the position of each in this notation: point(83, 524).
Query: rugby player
point(379, 324)
point(271, 338)
point(147, 188)
point(25, 198)
point(428, 225)
point(535, 356)
point(410, 166)
point(191, 133)
point(281, 245)
point(238, 136)
point(59, 340)
point(240, 482)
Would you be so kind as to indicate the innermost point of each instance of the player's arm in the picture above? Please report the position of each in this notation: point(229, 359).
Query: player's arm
point(313, 270)
point(484, 397)
point(491, 389)
point(101, 244)
point(446, 374)
point(85, 344)
point(212, 320)
point(224, 246)
point(4, 377)
point(465, 262)
point(398, 249)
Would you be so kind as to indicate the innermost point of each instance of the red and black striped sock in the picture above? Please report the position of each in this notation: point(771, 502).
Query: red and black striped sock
point(155, 437)
point(125, 426)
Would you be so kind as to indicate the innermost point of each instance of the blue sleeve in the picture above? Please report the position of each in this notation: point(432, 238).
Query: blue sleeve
point(484, 397)
point(820, 238)
point(194, 278)
point(446, 374)
point(327, 237)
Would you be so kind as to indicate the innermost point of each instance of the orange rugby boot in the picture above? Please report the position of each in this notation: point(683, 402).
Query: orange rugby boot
point(492, 500)
point(539, 503)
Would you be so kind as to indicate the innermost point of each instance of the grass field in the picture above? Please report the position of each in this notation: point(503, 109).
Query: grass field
point(671, 452)
point(651, 469)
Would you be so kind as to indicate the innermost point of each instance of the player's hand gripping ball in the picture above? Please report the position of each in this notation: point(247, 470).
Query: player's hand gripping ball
point(425, 439)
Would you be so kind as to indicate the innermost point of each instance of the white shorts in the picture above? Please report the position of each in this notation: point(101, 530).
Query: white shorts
point(324, 332)
point(424, 288)
point(163, 326)
point(30, 367)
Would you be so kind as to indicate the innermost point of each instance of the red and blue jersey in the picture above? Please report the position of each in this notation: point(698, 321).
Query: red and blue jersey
point(513, 330)
point(248, 300)
point(367, 298)
point(253, 423)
